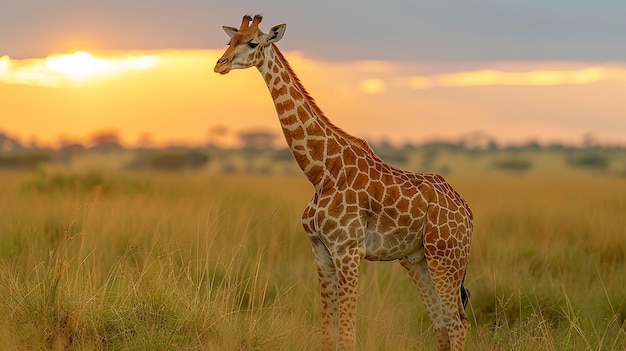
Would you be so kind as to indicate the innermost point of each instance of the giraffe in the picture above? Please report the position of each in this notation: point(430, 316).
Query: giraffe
point(362, 208)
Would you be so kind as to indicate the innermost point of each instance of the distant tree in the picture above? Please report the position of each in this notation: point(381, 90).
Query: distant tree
point(383, 144)
point(63, 140)
point(145, 140)
point(67, 152)
point(215, 133)
point(477, 140)
point(105, 140)
point(442, 146)
point(33, 142)
point(408, 146)
point(589, 140)
point(257, 139)
point(9, 144)
point(532, 144)
point(492, 145)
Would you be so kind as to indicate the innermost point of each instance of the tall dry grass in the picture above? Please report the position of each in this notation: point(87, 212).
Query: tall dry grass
point(190, 261)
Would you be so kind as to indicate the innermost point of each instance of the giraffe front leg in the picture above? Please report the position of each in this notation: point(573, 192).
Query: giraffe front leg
point(347, 266)
point(327, 276)
point(328, 293)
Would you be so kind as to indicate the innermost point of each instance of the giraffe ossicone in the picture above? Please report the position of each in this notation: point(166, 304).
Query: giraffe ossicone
point(362, 208)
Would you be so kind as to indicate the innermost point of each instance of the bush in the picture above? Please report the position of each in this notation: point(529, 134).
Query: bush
point(44, 182)
point(171, 160)
point(589, 160)
point(282, 155)
point(29, 160)
point(82, 183)
point(392, 155)
point(513, 164)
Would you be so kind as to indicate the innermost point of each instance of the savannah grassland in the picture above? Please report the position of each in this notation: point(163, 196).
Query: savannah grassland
point(197, 261)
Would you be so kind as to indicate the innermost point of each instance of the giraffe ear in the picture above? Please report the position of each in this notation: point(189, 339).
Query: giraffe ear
point(276, 33)
point(230, 31)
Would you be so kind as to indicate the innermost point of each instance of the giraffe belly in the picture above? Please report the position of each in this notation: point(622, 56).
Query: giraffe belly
point(391, 245)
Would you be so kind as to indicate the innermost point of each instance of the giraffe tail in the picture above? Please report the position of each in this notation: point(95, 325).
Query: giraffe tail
point(465, 295)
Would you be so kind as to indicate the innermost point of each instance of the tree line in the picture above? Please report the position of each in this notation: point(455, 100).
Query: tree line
point(14, 154)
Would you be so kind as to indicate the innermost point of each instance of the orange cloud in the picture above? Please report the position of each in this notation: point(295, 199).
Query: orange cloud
point(489, 77)
point(372, 86)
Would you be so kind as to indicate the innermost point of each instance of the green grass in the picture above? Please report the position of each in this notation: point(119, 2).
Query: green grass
point(206, 262)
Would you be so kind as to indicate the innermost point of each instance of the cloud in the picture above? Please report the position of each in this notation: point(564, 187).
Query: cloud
point(373, 86)
point(420, 82)
point(487, 77)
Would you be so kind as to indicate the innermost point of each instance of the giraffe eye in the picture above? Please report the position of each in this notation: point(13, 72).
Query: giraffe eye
point(252, 44)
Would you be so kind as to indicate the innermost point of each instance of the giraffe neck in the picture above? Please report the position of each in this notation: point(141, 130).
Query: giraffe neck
point(312, 138)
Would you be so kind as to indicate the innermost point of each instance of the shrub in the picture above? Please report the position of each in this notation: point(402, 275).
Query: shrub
point(392, 155)
point(79, 183)
point(589, 160)
point(43, 182)
point(282, 155)
point(28, 160)
point(513, 164)
point(171, 160)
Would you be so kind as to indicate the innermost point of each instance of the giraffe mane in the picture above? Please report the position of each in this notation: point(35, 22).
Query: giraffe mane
point(354, 141)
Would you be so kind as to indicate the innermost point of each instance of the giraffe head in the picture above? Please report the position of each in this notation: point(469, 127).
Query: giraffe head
point(247, 44)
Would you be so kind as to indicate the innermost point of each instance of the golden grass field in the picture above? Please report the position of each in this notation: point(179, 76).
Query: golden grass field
point(193, 261)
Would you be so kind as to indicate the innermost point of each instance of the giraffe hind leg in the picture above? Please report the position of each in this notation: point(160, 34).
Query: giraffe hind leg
point(456, 324)
point(448, 282)
point(418, 270)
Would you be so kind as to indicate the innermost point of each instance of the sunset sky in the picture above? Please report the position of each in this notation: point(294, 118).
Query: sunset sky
point(397, 70)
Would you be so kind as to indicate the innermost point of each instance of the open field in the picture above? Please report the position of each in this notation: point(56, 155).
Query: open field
point(192, 261)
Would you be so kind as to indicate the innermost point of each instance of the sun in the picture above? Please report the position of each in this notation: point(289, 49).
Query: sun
point(78, 66)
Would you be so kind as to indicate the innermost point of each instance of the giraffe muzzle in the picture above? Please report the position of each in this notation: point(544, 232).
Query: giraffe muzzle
point(222, 66)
